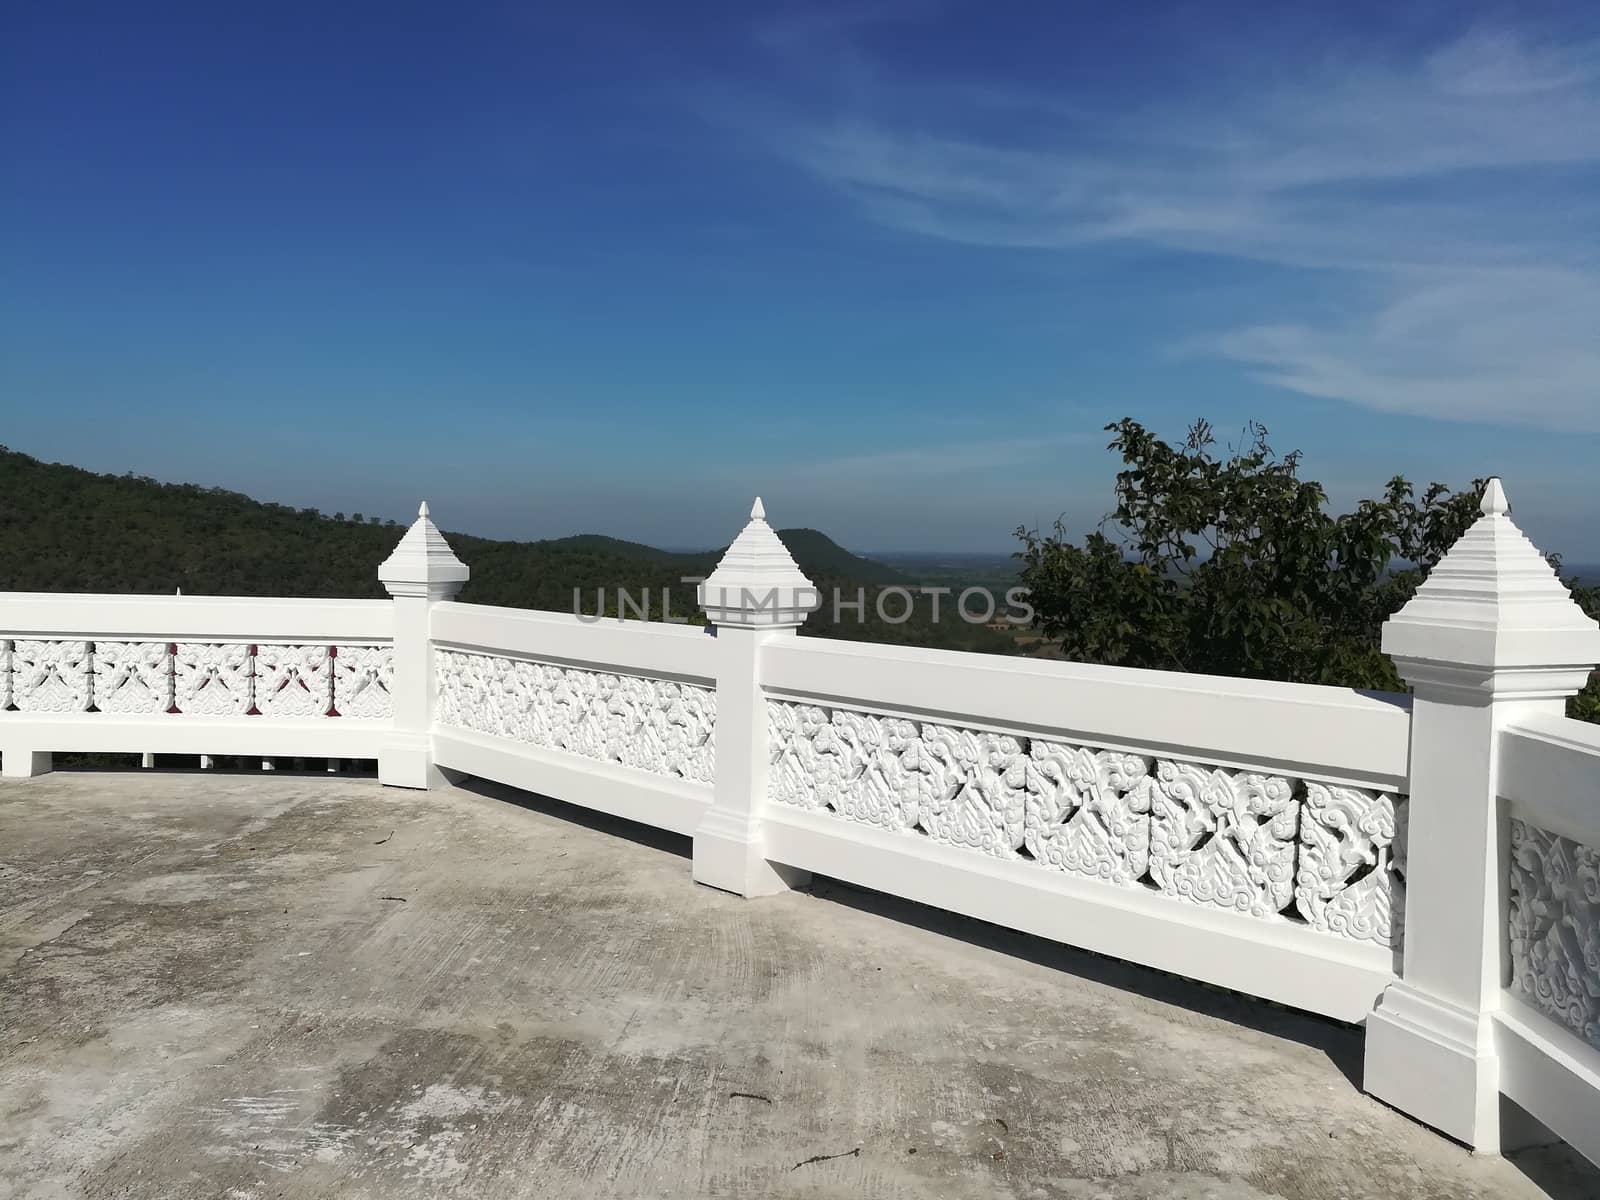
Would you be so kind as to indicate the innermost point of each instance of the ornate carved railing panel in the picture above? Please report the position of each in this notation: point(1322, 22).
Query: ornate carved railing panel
point(1089, 811)
point(363, 677)
point(654, 725)
point(1274, 847)
point(1224, 838)
point(196, 678)
point(50, 677)
point(1351, 864)
point(1554, 919)
point(132, 677)
point(293, 681)
point(212, 679)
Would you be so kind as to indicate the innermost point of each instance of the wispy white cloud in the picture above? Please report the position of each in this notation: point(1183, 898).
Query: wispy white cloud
point(1497, 63)
point(1504, 346)
point(1461, 186)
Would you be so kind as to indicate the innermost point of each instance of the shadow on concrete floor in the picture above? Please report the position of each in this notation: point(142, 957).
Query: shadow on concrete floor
point(301, 766)
point(643, 835)
point(1341, 1043)
point(1554, 1167)
point(1557, 1169)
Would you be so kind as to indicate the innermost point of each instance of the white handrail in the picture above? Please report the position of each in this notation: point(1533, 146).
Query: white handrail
point(1336, 734)
point(651, 648)
point(1550, 769)
point(88, 616)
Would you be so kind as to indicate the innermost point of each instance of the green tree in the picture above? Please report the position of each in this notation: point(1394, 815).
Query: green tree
point(1227, 562)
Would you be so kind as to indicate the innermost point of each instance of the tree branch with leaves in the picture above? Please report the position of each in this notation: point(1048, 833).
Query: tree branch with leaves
point(1225, 561)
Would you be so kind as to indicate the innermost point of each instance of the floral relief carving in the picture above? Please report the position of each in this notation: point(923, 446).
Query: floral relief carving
point(793, 730)
point(896, 783)
point(50, 677)
point(210, 679)
point(363, 677)
point(1223, 838)
point(654, 725)
point(1351, 874)
point(1554, 927)
point(132, 677)
point(974, 789)
point(458, 680)
point(1269, 846)
point(1089, 811)
point(658, 721)
point(5, 674)
point(292, 681)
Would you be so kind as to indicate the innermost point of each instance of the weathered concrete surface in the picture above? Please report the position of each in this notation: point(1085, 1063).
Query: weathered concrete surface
point(205, 991)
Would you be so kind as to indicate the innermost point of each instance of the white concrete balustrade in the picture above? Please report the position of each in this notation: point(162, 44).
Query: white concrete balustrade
point(192, 675)
point(1427, 864)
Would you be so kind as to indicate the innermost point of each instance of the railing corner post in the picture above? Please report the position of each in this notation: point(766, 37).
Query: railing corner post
point(1489, 636)
point(757, 595)
point(422, 570)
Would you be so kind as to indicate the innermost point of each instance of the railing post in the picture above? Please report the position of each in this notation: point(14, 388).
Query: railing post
point(1490, 636)
point(756, 595)
point(421, 570)
point(18, 760)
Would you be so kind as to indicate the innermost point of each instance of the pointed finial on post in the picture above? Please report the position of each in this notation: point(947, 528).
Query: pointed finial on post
point(1493, 605)
point(758, 584)
point(1494, 502)
point(423, 563)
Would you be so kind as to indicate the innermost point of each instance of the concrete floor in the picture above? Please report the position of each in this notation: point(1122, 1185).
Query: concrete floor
point(269, 986)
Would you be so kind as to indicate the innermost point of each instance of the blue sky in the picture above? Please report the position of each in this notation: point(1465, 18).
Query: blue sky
point(893, 265)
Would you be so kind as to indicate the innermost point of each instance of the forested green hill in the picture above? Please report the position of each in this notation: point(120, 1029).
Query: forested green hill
point(64, 529)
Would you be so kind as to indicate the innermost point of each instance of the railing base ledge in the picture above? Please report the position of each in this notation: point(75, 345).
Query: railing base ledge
point(408, 763)
point(730, 855)
point(1425, 1057)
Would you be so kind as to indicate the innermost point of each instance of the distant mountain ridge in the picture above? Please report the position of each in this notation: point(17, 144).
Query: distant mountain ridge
point(63, 528)
point(821, 557)
point(815, 552)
